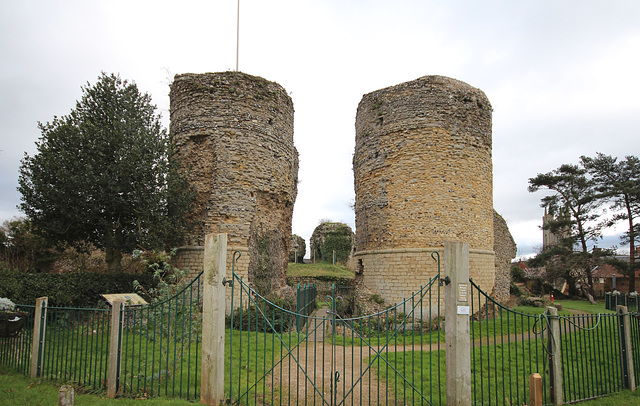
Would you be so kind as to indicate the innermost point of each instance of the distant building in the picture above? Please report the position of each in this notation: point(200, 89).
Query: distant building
point(550, 238)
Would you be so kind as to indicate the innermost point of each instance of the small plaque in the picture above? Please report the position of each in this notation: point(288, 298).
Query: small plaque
point(463, 289)
point(130, 299)
point(463, 309)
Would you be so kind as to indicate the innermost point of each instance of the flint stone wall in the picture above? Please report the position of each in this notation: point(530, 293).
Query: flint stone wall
point(234, 135)
point(423, 176)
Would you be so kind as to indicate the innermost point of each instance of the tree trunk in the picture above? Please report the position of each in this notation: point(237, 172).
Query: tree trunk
point(113, 257)
point(588, 295)
point(632, 254)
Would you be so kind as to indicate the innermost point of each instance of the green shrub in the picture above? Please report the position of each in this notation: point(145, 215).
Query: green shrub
point(263, 317)
point(68, 289)
point(515, 290)
point(517, 274)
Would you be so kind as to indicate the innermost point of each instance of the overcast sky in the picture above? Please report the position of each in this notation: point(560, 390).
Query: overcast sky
point(563, 77)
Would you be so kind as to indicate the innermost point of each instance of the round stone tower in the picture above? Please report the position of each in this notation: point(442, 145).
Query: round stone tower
point(234, 135)
point(423, 176)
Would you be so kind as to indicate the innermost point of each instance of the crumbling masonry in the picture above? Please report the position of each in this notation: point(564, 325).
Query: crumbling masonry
point(422, 171)
point(234, 135)
point(423, 175)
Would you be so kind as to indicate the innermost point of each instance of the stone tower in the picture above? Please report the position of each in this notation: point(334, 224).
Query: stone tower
point(234, 134)
point(423, 175)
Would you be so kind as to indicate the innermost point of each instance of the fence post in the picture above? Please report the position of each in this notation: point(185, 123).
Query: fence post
point(213, 312)
point(535, 390)
point(457, 340)
point(626, 351)
point(555, 356)
point(37, 341)
point(115, 347)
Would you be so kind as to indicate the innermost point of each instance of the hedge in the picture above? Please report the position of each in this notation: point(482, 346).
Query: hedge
point(68, 289)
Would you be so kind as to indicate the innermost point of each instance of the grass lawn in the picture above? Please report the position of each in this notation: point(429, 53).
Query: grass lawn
point(320, 269)
point(584, 306)
point(17, 389)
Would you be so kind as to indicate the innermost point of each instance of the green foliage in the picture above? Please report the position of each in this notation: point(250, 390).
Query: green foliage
point(517, 274)
point(174, 287)
point(618, 183)
point(298, 248)
point(574, 197)
point(106, 174)
point(264, 317)
point(329, 237)
point(339, 242)
point(22, 249)
point(68, 289)
point(514, 290)
point(322, 271)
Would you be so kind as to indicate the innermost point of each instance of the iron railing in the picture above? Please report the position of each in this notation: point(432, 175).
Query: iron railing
point(76, 346)
point(591, 357)
point(305, 303)
point(506, 348)
point(15, 352)
point(390, 357)
point(161, 346)
point(612, 300)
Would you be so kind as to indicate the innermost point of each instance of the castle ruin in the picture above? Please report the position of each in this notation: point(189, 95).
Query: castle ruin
point(233, 133)
point(423, 175)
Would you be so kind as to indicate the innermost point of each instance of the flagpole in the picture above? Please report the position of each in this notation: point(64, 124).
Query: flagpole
point(238, 37)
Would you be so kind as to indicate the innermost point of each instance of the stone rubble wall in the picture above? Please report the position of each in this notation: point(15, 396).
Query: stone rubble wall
point(423, 176)
point(234, 135)
point(505, 249)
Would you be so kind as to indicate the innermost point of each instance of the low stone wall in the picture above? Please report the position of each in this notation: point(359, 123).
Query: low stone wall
point(395, 274)
point(323, 286)
point(192, 258)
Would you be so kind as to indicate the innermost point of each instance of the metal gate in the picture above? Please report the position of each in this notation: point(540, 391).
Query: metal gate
point(390, 357)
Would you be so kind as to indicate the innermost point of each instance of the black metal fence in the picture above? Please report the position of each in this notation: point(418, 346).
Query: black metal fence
point(612, 300)
point(305, 303)
point(15, 352)
point(158, 350)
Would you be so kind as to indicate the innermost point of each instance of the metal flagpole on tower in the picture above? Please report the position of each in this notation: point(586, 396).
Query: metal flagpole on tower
point(238, 37)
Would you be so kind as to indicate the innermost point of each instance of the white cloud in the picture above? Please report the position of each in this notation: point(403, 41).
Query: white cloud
point(561, 76)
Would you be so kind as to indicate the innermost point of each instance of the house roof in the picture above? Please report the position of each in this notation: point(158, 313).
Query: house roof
point(607, 271)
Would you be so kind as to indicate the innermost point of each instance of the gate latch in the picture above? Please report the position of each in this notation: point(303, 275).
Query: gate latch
point(225, 282)
point(446, 280)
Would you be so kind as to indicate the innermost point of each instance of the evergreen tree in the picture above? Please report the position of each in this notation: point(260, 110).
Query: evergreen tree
point(105, 174)
point(619, 182)
point(575, 197)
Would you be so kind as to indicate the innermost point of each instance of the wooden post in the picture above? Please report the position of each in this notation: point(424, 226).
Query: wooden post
point(626, 350)
point(115, 346)
point(457, 340)
point(65, 395)
point(555, 357)
point(535, 390)
point(37, 341)
point(213, 312)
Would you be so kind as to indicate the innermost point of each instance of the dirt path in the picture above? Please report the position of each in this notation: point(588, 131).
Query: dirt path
point(356, 383)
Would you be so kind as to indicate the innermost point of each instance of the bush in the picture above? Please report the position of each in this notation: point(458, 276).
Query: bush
point(517, 274)
point(264, 317)
point(329, 237)
point(515, 290)
point(68, 289)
